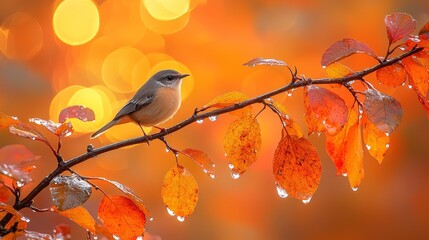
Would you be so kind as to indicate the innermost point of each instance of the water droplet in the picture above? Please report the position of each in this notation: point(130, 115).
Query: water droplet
point(180, 218)
point(170, 212)
point(226, 154)
point(231, 166)
point(403, 84)
point(344, 174)
point(387, 145)
point(213, 118)
point(402, 48)
point(234, 174)
point(167, 149)
point(25, 219)
point(281, 191)
point(324, 121)
point(151, 219)
point(306, 201)
point(270, 100)
point(255, 151)
point(289, 93)
point(355, 188)
point(287, 116)
point(212, 175)
point(368, 147)
point(318, 134)
point(213, 165)
point(387, 134)
point(20, 183)
point(360, 111)
point(284, 124)
point(323, 66)
point(410, 86)
point(199, 121)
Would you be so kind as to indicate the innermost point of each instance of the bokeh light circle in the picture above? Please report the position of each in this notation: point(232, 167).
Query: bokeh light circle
point(163, 27)
point(118, 69)
point(76, 22)
point(165, 10)
point(21, 37)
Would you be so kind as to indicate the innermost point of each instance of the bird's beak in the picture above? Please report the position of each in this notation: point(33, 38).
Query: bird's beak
point(183, 75)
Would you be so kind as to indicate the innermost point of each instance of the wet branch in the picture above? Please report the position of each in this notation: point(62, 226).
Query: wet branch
point(197, 115)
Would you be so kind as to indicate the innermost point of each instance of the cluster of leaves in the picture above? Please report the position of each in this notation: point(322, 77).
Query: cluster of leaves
point(370, 120)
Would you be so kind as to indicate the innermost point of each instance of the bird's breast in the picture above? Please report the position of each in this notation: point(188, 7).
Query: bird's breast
point(164, 105)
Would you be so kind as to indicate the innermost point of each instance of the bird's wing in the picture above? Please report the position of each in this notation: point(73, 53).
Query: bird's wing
point(133, 105)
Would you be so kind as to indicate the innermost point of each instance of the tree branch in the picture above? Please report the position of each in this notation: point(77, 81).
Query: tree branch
point(197, 115)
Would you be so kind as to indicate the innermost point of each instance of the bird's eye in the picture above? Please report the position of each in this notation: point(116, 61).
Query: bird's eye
point(170, 77)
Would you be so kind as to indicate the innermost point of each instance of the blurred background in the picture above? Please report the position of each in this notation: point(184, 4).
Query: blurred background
point(55, 54)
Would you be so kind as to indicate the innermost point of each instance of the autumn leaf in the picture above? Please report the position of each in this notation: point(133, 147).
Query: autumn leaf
point(129, 193)
point(62, 232)
point(6, 121)
point(264, 61)
point(392, 76)
point(398, 26)
point(14, 161)
point(424, 101)
point(59, 129)
point(68, 192)
point(337, 70)
point(325, 110)
point(345, 150)
point(241, 143)
point(418, 75)
point(80, 216)
point(80, 112)
point(376, 141)
point(344, 48)
point(290, 126)
point(382, 110)
point(26, 130)
point(229, 99)
point(297, 168)
point(180, 192)
point(202, 160)
point(122, 217)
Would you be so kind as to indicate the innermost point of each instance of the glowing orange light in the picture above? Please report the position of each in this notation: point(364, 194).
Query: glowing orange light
point(160, 26)
point(165, 10)
point(76, 22)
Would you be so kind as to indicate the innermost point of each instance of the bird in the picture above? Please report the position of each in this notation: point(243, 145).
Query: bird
point(154, 103)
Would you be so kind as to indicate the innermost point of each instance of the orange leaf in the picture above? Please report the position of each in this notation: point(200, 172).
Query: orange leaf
point(344, 48)
point(179, 192)
point(129, 193)
point(392, 76)
point(18, 219)
point(337, 70)
point(325, 110)
point(229, 99)
point(80, 216)
point(202, 160)
point(122, 217)
point(345, 149)
point(6, 121)
point(418, 75)
point(26, 130)
point(399, 25)
point(382, 110)
point(241, 143)
point(425, 102)
point(290, 126)
point(377, 142)
point(59, 129)
point(296, 168)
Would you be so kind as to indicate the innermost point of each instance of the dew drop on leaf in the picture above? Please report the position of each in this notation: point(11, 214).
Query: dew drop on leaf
point(344, 174)
point(180, 218)
point(410, 86)
point(151, 219)
point(281, 191)
point(230, 165)
point(387, 134)
point(368, 147)
point(212, 176)
point(387, 145)
point(167, 149)
point(289, 93)
point(199, 121)
point(235, 175)
point(306, 201)
point(170, 212)
point(354, 189)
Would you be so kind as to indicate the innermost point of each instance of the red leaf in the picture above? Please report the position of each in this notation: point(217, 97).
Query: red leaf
point(345, 48)
point(122, 217)
point(62, 231)
point(59, 129)
point(418, 75)
point(399, 25)
point(296, 168)
point(383, 111)
point(392, 76)
point(202, 160)
point(14, 161)
point(264, 61)
point(80, 112)
point(325, 110)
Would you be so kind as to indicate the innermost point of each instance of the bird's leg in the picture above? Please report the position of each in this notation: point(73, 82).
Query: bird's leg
point(144, 133)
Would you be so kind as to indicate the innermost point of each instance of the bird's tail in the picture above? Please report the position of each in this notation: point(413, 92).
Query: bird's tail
point(103, 129)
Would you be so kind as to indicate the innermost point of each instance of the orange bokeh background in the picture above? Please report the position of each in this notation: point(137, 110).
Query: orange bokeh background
point(46, 65)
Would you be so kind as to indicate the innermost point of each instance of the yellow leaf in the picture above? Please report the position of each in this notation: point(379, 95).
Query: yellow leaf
point(377, 142)
point(229, 99)
point(242, 142)
point(180, 191)
point(80, 216)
